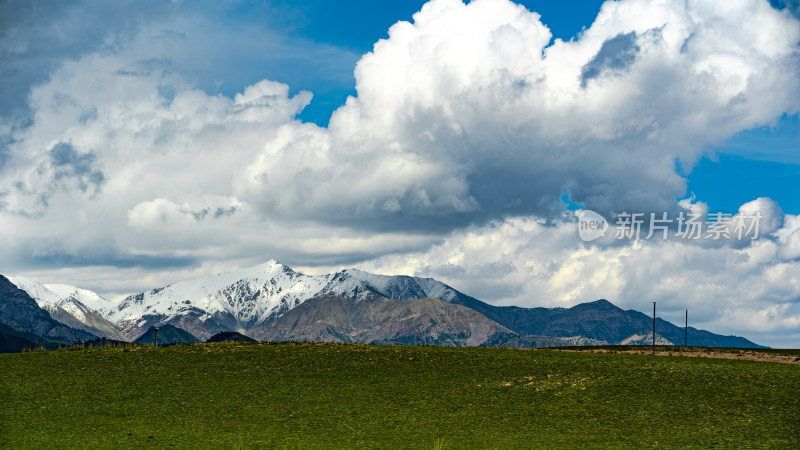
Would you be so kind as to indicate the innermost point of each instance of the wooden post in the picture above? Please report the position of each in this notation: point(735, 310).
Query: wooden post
point(155, 335)
point(686, 335)
point(654, 328)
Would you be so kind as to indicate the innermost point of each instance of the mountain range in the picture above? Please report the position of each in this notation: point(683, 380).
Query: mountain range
point(273, 302)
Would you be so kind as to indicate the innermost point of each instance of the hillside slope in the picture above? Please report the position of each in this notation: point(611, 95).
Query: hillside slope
point(13, 340)
point(75, 307)
point(20, 311)
point(374, 319)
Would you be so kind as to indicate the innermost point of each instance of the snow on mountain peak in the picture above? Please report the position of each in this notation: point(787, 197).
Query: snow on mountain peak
point(240, 299)
point(85, 296)
point(61, 295)
point(38, 292)
point(403, 286)
point(250, 295)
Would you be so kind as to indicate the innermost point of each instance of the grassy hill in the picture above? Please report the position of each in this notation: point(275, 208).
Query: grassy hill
point(349, 395)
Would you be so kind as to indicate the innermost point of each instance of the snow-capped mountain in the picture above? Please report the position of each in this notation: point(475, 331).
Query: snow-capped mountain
point(230, 301)
point(19, 313)
point(243, 299)
point(255, 301)
point(72, 306)
point(62, 294)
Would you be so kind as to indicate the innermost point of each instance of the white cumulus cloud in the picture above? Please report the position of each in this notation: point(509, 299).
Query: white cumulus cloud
point(469, 113)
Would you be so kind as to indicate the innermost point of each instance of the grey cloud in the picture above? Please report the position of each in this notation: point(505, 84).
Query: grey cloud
point(444, 271)
point(68, 163)
point(167, 92)
point(146, 67)
point(121, 261)
point(222, 212)
point(202, 214)
point(35, 37)
point(63, 154)
point(616, 54)
point(5, 153)
point(484, 271)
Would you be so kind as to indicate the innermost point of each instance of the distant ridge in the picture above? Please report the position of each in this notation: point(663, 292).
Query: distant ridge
point(603, 321)
point(230, 336)
point(14, 341)
point(167, 335)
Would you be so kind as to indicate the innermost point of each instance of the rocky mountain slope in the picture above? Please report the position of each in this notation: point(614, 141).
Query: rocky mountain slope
point(374, 319)
point(75, 307)
point(20, 311)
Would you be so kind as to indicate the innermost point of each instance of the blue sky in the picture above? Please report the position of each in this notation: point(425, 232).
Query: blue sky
point(146, 142)
point(762, 162)
point(357, 25)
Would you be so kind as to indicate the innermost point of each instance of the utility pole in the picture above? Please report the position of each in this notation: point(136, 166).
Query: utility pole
point(155, 335)
point(686, 335)
point(654, 328)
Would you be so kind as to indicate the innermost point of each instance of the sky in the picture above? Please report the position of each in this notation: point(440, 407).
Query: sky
point(148, 142)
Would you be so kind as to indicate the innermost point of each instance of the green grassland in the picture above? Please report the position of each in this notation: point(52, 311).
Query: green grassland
point(690, 349)
point(330, 395)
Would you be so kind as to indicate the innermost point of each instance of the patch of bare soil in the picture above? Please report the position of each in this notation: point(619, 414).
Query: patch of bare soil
point(744, 354)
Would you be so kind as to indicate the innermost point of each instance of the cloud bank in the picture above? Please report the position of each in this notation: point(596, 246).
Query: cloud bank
point(751, 290)
point(469, 113)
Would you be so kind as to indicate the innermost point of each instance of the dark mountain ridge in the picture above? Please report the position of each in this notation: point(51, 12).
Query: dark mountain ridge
point(599, 320)
point(230, 336)
point(167, 335)
point(13, 340)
